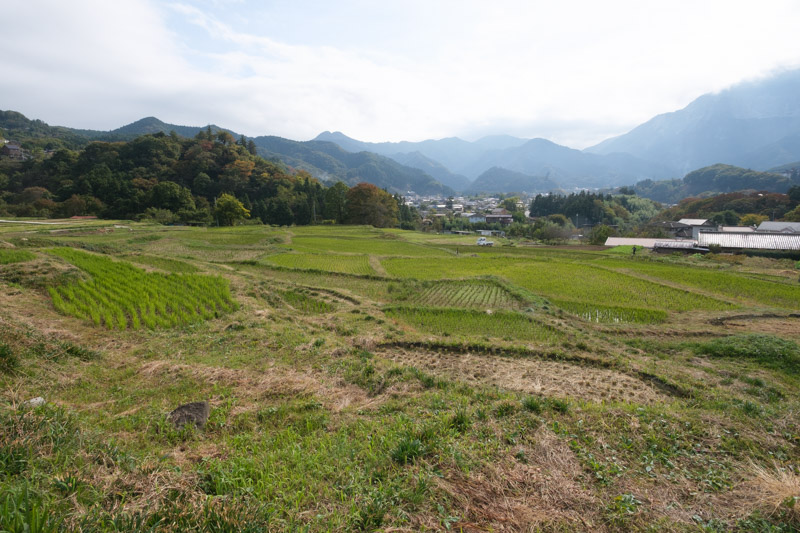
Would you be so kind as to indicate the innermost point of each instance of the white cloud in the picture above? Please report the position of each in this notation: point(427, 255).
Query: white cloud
point(574, 71)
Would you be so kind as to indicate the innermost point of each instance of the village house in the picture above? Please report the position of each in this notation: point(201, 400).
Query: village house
point(697, 225)
point(500, 216)
point(779, 227)
point(14, 151)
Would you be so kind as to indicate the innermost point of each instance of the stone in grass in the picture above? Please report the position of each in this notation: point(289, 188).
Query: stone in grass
point(191, 413)
point(34, 402)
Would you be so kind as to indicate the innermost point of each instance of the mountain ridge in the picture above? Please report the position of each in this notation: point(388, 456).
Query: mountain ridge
point(751, 124)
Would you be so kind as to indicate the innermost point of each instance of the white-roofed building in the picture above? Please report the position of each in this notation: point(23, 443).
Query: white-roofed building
point(751, 241)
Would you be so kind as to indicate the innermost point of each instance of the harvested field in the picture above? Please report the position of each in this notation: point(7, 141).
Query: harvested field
point(529, 375)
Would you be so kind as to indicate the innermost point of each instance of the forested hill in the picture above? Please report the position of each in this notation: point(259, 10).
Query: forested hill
point(323, 160)
point(716, 179)
point(498, 179)
point(173, 179)
point(739, 208)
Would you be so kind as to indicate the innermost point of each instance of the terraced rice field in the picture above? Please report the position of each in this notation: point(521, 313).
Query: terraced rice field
point(474, 324)
point(15, 256)
point(119, 295)
point(468, 294)
point(781, 293)
point(566, 281)
point(376, 245)
point(347, 264)
point(304, 303)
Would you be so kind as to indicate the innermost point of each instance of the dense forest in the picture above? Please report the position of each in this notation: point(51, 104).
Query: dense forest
point(624, 210)
point(175, 179)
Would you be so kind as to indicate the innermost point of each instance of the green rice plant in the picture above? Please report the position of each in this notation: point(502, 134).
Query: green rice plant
point(610, 314)
point(772, 292)
point(119, 295)
point(8, 256)
point(471, 323)
point(467, 294)
point(563, 280)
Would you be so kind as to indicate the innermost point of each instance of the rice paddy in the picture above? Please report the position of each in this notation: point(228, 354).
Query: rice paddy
point(467, 294)
point(475, 324)
point(348, 264)
point(119, 295)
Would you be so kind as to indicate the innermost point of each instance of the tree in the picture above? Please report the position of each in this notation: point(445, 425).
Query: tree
point(600, 234)
point(367, 204)
point(170, 195)
point(251, 147)
point(336, 202)
point(228, 210)
point(279, 213)
point(752, 219)
point(510, 204)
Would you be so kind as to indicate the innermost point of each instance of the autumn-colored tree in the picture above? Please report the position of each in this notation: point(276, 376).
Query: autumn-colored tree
point(368, 204)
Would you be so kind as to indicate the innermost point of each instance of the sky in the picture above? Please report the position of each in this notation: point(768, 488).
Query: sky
point(573, 71)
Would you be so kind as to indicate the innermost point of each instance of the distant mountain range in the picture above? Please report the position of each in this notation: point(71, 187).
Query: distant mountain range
point(562, 166)
point(754, 125)
point(326, 161)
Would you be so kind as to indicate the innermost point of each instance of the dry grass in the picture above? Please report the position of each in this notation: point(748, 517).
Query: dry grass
point(774, 489)
point(550, 378)
point(544, 493)
point(276, 381)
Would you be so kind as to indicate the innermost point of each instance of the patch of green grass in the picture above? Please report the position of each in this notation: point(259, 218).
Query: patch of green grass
point(8, 359)
point(767, 349)
point(8, 256)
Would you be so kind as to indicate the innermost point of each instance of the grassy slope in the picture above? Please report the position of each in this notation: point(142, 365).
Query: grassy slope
point(330, 411)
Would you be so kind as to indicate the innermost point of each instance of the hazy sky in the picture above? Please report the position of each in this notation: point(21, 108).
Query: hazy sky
point(575, 72)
